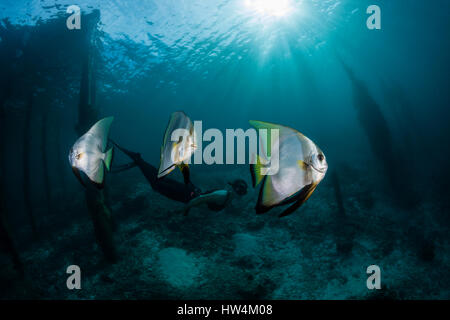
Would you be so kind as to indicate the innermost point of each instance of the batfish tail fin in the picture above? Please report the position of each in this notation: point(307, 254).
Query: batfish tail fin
point(108, 158)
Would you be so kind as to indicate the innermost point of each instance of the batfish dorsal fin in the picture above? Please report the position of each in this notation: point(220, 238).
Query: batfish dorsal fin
point(101, 130)
point(284, 131)
point(268, 126)
point(265, 125)
point(266, 139)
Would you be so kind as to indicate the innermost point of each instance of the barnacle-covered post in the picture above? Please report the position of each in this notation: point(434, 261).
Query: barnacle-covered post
point(10, 43)
point(44, 152)
point(380, 139)
point(2, 141)
point(87, 115)
point(59, 154)
point(344, 240)
point(26, 164)
point(6, 242)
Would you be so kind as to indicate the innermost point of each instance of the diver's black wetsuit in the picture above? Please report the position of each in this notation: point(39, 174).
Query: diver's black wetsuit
point(170, 188)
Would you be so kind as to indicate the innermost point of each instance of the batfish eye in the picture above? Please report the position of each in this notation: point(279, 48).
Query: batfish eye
point(321, 157)
point(79, 156)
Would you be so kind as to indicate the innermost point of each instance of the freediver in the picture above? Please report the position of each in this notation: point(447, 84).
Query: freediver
point(187, 192)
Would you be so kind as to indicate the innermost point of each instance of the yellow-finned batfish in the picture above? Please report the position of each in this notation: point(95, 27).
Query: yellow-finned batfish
point(177, 153)
point(301, 166)
point(88, 153)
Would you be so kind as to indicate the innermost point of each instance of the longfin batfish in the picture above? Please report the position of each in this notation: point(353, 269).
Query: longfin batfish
point(177, 153)
point(88, 153)
point(302, 165)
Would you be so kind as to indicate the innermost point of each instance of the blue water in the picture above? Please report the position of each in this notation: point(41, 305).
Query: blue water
point(226, 62)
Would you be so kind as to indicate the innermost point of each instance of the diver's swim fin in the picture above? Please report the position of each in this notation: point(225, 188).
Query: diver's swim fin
point(186, 173)
point(133, 155)
point(123, 167)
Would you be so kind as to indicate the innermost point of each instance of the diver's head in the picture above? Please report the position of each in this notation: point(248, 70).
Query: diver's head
point(194, 190)
point(318, 161)
point(239, 186)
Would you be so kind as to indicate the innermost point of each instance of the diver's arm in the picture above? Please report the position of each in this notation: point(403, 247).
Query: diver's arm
point(216, 200)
